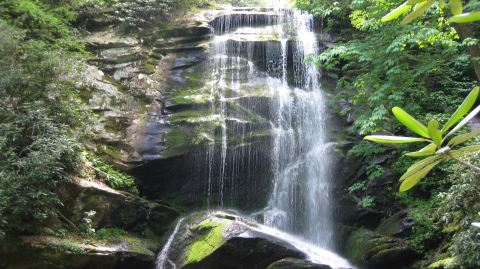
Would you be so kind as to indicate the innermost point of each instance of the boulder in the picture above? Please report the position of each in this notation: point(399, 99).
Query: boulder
point(375, 251)
point(48, 252)
point(217, 240)
point(398, 224)
point(114, 208)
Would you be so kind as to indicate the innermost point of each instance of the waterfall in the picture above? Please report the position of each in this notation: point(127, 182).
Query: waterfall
point(162, 257)
point(270, 47)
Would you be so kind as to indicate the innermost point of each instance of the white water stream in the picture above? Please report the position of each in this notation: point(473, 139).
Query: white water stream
point(299, 208)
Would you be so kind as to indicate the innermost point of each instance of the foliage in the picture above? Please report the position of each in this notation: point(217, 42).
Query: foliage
point(144, 13)
point(45, 20)
point(438, 149)
point(423, 67)
point(86, 225)
point(458, 207)
point(366, 150)
point(331, 12)
point(419, 7)
point(110, 233)
point(111, 176)
point(38, 110)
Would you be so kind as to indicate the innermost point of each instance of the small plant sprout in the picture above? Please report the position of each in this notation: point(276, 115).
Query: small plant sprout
point(441, 144)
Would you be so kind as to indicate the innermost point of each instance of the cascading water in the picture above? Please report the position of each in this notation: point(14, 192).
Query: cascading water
point(301, 195)
point(300, 199)
point(259, 62)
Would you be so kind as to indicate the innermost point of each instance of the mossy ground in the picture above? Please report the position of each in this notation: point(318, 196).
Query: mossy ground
point(211, 236)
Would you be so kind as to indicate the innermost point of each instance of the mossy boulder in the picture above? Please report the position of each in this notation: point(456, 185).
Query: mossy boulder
point(217, 240)
point(399, 224)
point(375, 251)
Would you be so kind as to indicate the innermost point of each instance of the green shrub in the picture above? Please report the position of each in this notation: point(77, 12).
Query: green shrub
point(39, 110)
point(111, 176)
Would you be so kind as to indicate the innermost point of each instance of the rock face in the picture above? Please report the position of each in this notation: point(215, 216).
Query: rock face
point(53, 253)
point(375, 251)
point(114, 208)
point(220, 240)
point(398, 224)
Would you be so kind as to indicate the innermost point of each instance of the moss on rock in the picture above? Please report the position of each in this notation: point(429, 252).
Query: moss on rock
point(373, 250)
point(211, 237)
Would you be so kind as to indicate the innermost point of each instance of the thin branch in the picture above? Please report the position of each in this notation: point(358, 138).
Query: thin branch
point(68, 221)
point(476, 169)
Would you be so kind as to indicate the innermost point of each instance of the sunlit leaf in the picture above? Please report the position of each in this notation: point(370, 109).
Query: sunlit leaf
point(413, 2)
point(459, 139)
point(388, 139)
point(426, 151)
point(462, 109)
point(421, 164)
point(441, 4)
point(473, 148)
point(414, 178)
point(465, 17)
point(421, 8)
point(410, 122)
point(465, 120)
point(434, 132)
point(396, 12)
point(456, 6)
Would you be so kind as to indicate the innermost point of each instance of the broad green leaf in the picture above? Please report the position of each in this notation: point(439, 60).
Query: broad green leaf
point(410, 122)
point(441, 5)
point(465, 120)
point(389, 139)
point(426, 151)
point(462, 109)
point(413, 179)
point(434, 132)
point(456, 6)
point(421, 8)
point(459, 139)
point(466, 17)
point(421, 164)
point(396, 12)
point(473, 148)
point(413, 2)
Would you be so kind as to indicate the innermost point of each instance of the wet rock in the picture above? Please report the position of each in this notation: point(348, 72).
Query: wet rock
point(290, 263)
point(375, 251)
point(220, 240)
point(398, 224)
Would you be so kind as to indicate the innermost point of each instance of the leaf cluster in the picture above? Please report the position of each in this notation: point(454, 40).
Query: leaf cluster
point(439, 148)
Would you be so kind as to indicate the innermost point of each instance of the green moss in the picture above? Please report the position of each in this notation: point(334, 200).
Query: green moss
point(178, 142)
point(194, 116)
point(443, 263)
point(85, 94)
point(190, 96)
point(115, 83)
point(211, 237)
point(363, 243)
point(64, 245)
point(109, 233)
point(149, 66)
